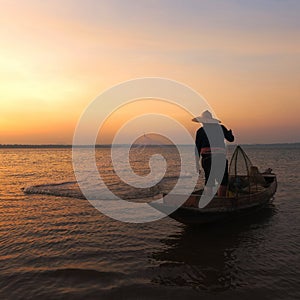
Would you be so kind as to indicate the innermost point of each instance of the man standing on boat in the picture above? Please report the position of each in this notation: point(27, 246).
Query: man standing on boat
point(210, 141)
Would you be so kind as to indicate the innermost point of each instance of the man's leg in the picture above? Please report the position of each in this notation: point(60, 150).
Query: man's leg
point(222, 191)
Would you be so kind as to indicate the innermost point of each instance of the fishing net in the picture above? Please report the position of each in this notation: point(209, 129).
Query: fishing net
point(240, 163)
point(243, 176)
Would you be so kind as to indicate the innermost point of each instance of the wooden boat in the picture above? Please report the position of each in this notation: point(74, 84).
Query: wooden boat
point(220, 208)
point(255, 191)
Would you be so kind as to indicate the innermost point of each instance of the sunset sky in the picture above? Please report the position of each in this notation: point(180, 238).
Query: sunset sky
point(242, 56)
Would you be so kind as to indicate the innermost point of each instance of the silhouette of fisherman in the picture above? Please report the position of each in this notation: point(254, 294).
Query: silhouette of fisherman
point(210, 146)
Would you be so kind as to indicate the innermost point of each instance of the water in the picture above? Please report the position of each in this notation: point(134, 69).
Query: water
point(56, 247)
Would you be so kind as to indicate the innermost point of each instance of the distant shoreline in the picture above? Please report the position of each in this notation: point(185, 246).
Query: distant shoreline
point(54, 146)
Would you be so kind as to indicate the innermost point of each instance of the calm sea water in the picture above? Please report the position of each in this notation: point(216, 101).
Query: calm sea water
point(55, 247)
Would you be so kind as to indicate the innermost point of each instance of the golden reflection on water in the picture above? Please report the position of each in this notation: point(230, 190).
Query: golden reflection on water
point(70, 248)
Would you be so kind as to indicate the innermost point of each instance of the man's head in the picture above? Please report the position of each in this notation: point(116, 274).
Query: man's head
point(206, 118)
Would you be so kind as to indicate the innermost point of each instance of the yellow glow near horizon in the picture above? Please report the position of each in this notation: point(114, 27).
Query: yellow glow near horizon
point(144, 106)
point(56, 57)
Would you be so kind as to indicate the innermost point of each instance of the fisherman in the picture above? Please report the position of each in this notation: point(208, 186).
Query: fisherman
point(212, 132)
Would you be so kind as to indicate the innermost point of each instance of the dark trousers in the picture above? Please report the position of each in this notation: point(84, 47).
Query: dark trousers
point(206, 165)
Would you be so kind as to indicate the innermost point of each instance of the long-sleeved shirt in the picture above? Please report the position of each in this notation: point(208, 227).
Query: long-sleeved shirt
point(217, 133)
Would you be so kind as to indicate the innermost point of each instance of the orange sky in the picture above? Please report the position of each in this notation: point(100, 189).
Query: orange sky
point(56, 57)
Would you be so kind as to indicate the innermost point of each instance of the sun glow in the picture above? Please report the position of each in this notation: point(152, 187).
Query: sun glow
point(54, 65)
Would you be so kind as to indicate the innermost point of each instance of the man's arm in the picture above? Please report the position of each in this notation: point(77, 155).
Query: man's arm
point(228, 134)
point(197, 150)
point(198, 141)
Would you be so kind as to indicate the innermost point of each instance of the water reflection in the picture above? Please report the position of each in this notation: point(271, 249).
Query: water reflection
point(208, 258)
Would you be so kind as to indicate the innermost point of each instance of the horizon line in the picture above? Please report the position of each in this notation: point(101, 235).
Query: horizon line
point(3, 146)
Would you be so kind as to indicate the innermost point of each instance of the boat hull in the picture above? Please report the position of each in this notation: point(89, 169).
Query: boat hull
point(220, 208)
